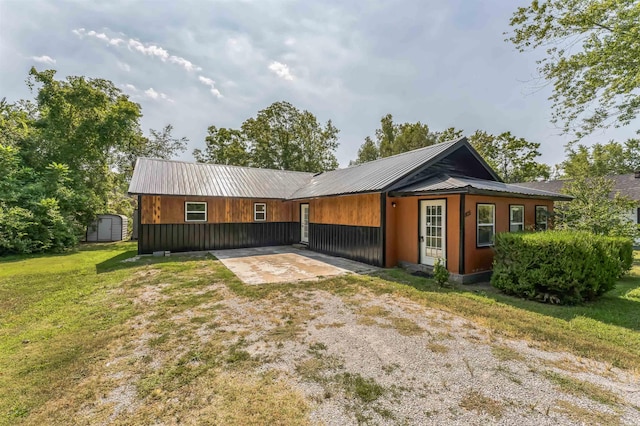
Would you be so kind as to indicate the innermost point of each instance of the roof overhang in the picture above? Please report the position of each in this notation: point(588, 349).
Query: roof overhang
point(475, 191)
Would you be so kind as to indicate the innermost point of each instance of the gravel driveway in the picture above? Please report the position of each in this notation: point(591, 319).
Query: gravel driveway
point(375, 359)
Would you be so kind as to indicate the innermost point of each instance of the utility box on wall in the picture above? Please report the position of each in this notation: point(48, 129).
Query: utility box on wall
point(107, 227)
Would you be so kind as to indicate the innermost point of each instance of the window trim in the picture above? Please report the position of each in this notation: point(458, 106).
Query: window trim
point(484, 245)
point(255, 212)
point(186, 211)
point(546, 219)
point(517, 223)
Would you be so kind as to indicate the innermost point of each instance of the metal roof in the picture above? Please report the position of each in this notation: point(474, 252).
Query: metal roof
point(627, 185)
point(445, 183)
point(372, 176)
point(167, 177)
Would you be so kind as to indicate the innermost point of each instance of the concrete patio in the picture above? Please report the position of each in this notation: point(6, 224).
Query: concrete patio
point(263, 265)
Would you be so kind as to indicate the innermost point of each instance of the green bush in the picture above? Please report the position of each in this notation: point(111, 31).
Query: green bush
point(625, 253)
point(440, 273)
point(559, 266)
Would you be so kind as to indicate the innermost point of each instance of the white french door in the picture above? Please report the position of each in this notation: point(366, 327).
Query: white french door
point(433, 231)
point(304, 223)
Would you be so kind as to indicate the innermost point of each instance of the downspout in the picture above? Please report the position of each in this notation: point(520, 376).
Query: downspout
point(383, 226)
point(461, 260)
point(139, 236)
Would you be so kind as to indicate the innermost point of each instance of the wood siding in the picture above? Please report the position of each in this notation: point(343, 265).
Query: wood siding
point(352, 210)
point(403, 221)
point(402, 230)
point(170, 209)
point(478, 259)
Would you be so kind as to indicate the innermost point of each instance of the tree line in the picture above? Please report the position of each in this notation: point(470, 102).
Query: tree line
point(69, 153)
point(66, 156)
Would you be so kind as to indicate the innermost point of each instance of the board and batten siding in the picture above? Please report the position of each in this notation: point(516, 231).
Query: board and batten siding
point(347, 226)
point(230, 224)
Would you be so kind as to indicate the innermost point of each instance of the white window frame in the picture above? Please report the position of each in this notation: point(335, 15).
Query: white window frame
point(511, 222)
point(546, 218)
point(186, 211)
point(256, 212)
point(492, 224)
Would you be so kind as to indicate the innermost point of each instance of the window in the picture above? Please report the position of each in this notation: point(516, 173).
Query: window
point(259, 212)
point(542, 216)
point(516, 218)
point(486, 220)
point(195, 212)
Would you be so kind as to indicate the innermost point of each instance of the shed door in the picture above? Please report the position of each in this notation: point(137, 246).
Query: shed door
point(104, 229)
point(304, 223)
point(433, 231)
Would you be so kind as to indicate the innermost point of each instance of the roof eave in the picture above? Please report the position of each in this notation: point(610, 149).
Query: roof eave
point(205, 196)
point(475, 191)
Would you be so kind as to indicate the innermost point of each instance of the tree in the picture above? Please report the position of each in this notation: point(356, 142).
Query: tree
point(279, 137)
point(36, 208)
point(84, 124)
point(514, 159)
point(159, 144)
point(67, 156)
point(592, 58)
point(612, 158)
point(449, 134)
point(392, 139)
point(224, 146)
point(368, 152)
point(595, 210)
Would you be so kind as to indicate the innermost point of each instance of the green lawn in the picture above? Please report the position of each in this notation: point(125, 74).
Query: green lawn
point(61, 314)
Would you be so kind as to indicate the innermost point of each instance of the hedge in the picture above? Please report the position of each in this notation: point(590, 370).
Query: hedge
point(559, 266)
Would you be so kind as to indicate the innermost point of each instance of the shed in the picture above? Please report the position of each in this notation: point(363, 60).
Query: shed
point(107, 227)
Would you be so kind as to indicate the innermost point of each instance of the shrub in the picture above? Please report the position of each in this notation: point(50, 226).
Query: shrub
point(559, 266)
point(625, 253)
point(440, 273)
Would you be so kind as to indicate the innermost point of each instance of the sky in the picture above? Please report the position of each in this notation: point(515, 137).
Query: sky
point(199, 63)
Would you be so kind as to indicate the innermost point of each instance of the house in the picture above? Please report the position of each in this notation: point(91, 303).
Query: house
point(442, 201)
point(627, 185)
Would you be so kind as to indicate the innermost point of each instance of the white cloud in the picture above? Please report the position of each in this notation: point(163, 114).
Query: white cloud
point(124, 66)
point(130, 87)
point(137, 46)
point(152, 94)
point(187, 65)
point(281, 70)
point(44, 59)
point(212, 86)
point(151, 50)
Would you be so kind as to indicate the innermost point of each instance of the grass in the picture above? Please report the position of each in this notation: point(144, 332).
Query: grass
point(505, 353)
point(581, 388)
point(475, 401)
point(366, 390)
point(586, 416)
point(437, 348)
point(604, 330)
point(63, 316)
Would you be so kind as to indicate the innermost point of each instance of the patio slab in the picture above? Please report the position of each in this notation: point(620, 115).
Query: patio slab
point(263, 265)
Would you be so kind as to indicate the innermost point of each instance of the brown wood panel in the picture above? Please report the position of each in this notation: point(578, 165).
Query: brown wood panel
point(170, 209)
point(354, 210)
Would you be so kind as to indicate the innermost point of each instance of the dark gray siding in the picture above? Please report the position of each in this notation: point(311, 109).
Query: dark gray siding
point(214, 236)
point(360, 243)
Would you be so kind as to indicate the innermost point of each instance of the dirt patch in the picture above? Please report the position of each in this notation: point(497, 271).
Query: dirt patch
point(199, 352)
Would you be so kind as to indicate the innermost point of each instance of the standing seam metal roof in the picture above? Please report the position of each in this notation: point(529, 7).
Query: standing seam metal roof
point(445, 182)
point(167, 177)
point(371, 176)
